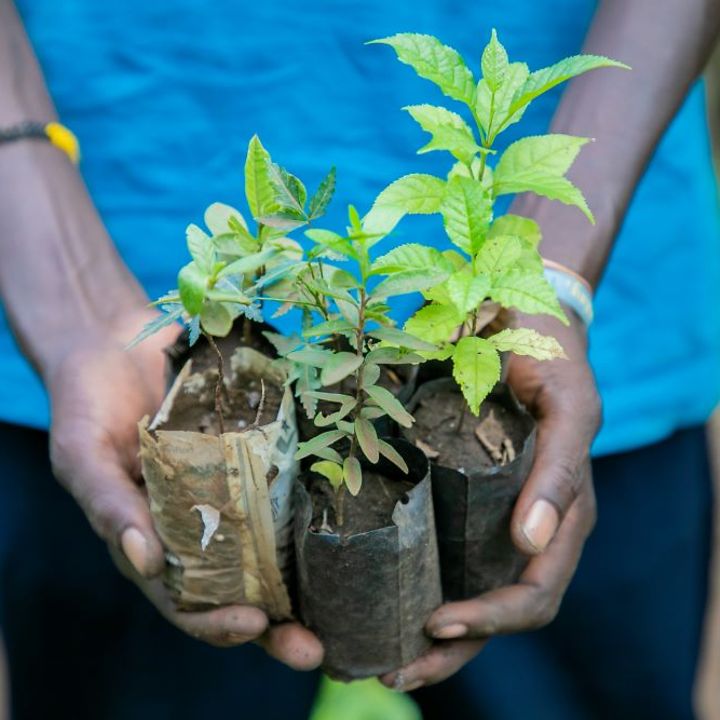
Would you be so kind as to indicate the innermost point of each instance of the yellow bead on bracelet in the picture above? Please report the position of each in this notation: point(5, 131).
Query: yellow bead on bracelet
point(57, 134)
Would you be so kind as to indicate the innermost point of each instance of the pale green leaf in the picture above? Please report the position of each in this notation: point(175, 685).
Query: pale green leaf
point(392, 356)
point(192, 285)
point(538, 164)
point(467, 291)
point(518, 225)
point(411, 256)
point(339, 366)
point(528, 292)
point(328, 327)
point(434, 323)
point(321, 199)
point(259, 190)
point(218, 218)
point(328, 453)
point(248, 264)
point(467, 212)
point(524, 341)
point(215, 319)
point(352, 474)
point(367, 438)
point(435, 62)
point(160, 322)
point(340, 398)
point(449, 131)
point(201, 248)
point(310, 356)
point(399, 338)
point(498, 254)
point(494, 62)
point(335, 417)
point(492, 108)
point(390, 404)
point(391, 454)
point(320, 441)
point(410, 194)
point(476, 368)
point(332, 471)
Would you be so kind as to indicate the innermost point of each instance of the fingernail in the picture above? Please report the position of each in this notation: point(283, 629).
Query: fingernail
point(134, 546)
point(238, 639)
point(541, 524)
point(450, 632)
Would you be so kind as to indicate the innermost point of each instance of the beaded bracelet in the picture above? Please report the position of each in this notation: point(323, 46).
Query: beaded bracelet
point(53, 132)
point(572, 289)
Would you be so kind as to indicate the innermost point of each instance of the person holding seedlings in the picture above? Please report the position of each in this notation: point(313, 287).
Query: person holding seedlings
point(156, 96)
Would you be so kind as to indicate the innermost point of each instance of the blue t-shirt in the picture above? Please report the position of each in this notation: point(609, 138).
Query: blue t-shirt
point(164, 97)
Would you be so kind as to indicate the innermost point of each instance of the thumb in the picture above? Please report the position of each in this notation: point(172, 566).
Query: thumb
point(114, 504)
point(560, 468)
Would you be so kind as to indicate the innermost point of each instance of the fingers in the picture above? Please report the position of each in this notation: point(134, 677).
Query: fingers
point(531, 603)
point(294, 645)
point(567, 424)
point(115, 506)
point(440, 662)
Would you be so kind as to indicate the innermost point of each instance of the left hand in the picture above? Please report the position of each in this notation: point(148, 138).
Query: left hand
point(552, 519)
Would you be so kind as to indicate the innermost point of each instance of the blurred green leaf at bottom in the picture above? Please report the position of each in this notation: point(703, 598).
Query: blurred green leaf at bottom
point(363, 700)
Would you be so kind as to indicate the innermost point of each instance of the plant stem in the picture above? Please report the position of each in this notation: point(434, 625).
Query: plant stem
point(246, 331)
point(220, 382)
point(462, 417)
point(340, 508)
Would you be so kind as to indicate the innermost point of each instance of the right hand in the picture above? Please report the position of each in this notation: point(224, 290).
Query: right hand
point(99, 392)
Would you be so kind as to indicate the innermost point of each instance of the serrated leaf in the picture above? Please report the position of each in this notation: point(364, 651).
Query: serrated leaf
point(248, 264)
point(391, 454)
point(321, 199)
point(524, 341)
point(403, 283)
point(331, 471)
point(201, 248)
point(259, 190)
point(318, 442)
point(192, 285)
point(352, 475)
point(467, 291)
point(408, 257)
point(367, 439)
point(498, 254)
point(434, 61)
point(307, 379)
point(528, 292)
point(290, 193)
point(538, 164)
point(216, 319)
point(494, 62)
point(435, 323)
point(476, 368)
point(282, 343)
point(160, 322)
point(547, 78)
point(400, 338)
point(518, 225)
point(411, 194)
point(467, 212)
point(492, 109)
point(449, 131)
point(338, 366)
point(390, 404)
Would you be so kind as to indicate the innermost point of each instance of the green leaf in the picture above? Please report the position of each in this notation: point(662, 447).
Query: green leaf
point(516, 225)
point(411, 256)
point(216, 319)
point(310, 356)
point(449, 131)
point(367, 438)
point(435, 62)
point(329, 454)
point(334, 417)
point(352, 474)
point(318, 442)
point(538, 164)
point(524, 341)
point(259, 190)
point(370, 373)
point(467, 291)
point(406, 282)
point(328, 327)
point(339, 366)
point(290, 193)
point(201, 248)
point(161, 321)
point(467, 212)
point(476, 368)
point(282, 343)
point(390, 404)
point(399, 338)
point(498, 254)
point(492, 108)
point(391, 454)
point(494, 62)
point(547, 78)
point(218, 218)
point(435, 323)
point(340, 398)
point(307, 379)
point(392, 356)
point(332, 471)
point(192, 284)
point(321, 199)
point(411, 194)
point(248, 264)
point(372, 412)
point(528, 292)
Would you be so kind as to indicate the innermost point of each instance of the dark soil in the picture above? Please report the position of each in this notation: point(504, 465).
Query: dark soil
point(371, 509)
point(195, 411)
point(470, 444)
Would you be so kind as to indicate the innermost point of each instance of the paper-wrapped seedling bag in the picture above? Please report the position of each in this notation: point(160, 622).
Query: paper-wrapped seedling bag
point(222, 504)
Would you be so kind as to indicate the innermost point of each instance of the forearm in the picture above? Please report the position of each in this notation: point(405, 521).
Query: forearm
point(667, 45)
point(61, 278)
